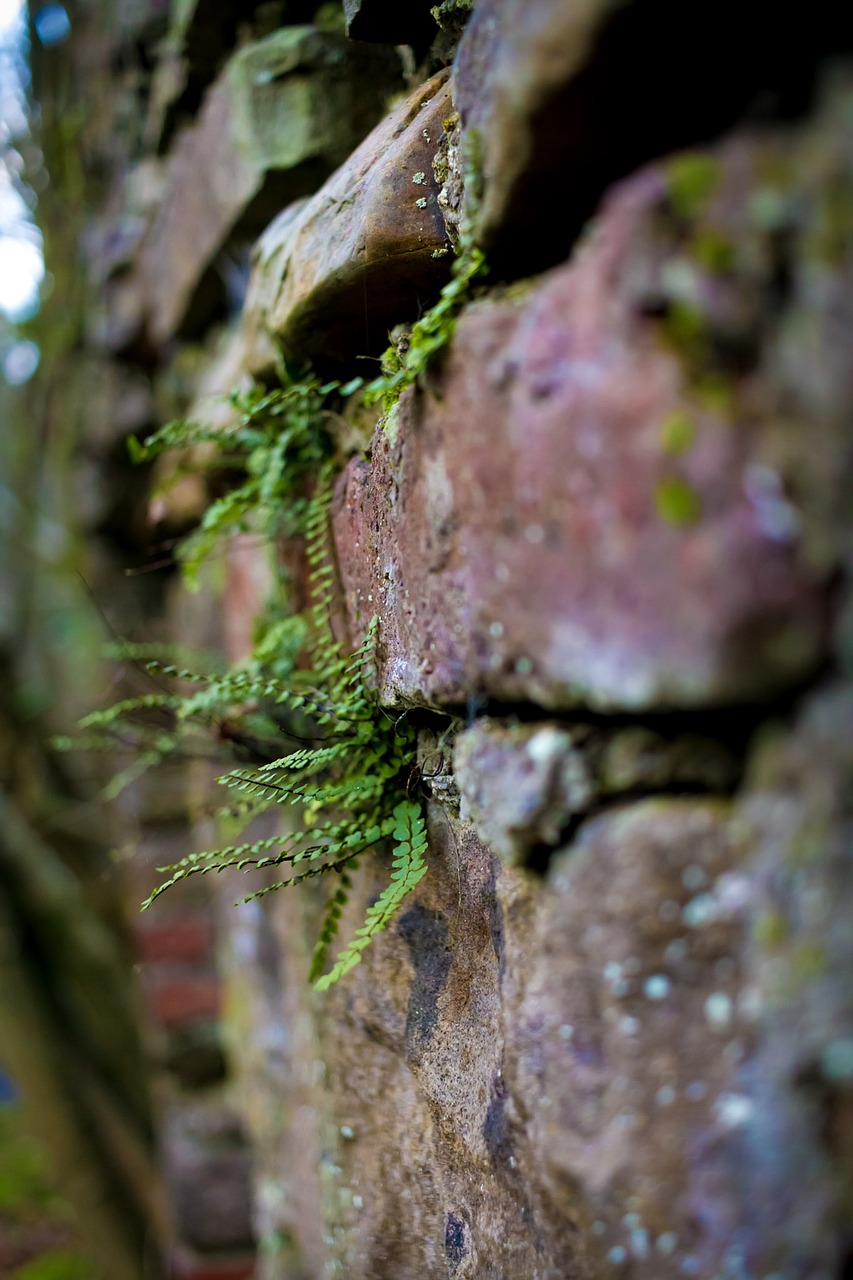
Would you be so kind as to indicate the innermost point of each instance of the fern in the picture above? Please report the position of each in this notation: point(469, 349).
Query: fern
point(348, 786)
point(409, 867)
point(279, 440)
point(320, 740)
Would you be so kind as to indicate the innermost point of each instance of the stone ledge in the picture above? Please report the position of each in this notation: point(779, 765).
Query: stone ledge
point(332, 275)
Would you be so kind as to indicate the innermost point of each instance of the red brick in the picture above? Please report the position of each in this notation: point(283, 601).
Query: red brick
point(181, 937)
point(180, 1002)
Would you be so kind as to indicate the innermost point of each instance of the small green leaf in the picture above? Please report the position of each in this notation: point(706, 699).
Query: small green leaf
point(677, 503)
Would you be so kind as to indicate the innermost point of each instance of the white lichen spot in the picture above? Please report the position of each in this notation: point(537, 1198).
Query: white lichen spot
point(696, 1090)
point(357, 1202)
point(496, 629)
point(690, 1266)
point(534, 533)
point(347, 1132)
point(421, 202)
point(640, 1243)
point(425, 135)
point(546, 745)
point(598, 1228)
point(440, 253)
point(735, 892)
point(734, 1051)
point(693, 877)
point(612, 973)
point(667, 1243)
point(718, 1009)
point(629, 1026)
point(566, 1031)
point(657, 987)
point(700, 911)
point(776, 518)
point(630, 1221)
point(675, 950)
point(523, 666)
point(837, 1059)
point(733, 1110)
point(665, 1096)
point(419, 178)
point(617, 1254)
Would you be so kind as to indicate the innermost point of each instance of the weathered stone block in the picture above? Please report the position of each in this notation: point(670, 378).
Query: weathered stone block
point(202, 34)
point(567, 96)
point(625, 489)
point(522, 785)
point(284, 112)
point(333, 275)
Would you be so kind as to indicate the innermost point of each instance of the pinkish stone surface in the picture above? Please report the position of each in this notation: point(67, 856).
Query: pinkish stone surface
point(624, 489)
point(332, 276)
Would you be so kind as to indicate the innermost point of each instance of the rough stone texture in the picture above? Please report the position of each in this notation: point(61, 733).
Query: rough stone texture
point(610, 1037)
point(625, 488)
point(333, 275)
point(285, 111)
point(563, 104)
point(609, 1072)
point(522, 785)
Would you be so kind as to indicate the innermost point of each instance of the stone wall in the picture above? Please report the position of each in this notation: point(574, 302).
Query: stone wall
point(606, 534)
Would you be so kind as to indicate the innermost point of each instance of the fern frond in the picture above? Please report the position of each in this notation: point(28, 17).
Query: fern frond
point(409, 868)
point(345, 772)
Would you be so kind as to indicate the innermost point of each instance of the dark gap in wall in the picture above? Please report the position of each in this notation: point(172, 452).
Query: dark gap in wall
point(622, 111)
point(539, 858)
point(733, 726)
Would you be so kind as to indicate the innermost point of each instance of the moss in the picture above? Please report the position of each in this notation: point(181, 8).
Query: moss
point(677, 432)
point(677, 502)
point(770, 930)
point(808, 962)
point(714, 392)
point(832, 239)
point(691, 180)
point(390, 423)
point(452, 15)
point(58, 1264)
point(712, 250)
point(684, 328)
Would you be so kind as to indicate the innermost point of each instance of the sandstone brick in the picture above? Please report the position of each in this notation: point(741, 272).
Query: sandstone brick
point(284, 112)
point(625, 487)
point(332, 276)
point(566, 97)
